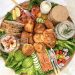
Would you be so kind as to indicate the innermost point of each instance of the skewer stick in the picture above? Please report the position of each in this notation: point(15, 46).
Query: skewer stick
point(14, 1)
point(54, 62)
point(55, 70)
point(26, 11)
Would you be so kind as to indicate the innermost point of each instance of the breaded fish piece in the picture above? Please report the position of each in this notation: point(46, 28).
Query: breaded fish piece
point(49, 24)
point(39, 28)
point(38, 38)
point(27, 49)
point(49, 38)
point(39, 47)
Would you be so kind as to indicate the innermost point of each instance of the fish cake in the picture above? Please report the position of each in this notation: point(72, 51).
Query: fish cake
point(39, 28)
point(38, 38)
point(49, 38)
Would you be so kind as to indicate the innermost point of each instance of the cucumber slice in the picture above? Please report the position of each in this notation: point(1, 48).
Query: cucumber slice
point(36, 62)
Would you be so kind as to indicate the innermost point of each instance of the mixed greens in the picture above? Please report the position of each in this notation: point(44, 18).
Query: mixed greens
point(2, 32)
point(69, 44)
point(9, 16)
point(20, 63)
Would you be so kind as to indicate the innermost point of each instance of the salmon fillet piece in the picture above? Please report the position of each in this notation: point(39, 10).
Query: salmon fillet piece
point(44, 61)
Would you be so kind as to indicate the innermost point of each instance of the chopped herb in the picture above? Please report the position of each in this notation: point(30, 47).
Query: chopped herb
point(53, 4)
point(66, 31)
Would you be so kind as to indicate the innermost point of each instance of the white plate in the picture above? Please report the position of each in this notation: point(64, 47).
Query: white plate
point(7, 5)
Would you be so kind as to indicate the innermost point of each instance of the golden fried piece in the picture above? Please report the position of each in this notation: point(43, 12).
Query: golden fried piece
point(25, 5)
point(12, 27)
point(39, 28)
point(35, 11)
point(38, 38)
point(49, 24)
point(29, 26)
point(39, 47)
point(49, 38)
point(31, 41)
point(26, 38)
point(27, 49)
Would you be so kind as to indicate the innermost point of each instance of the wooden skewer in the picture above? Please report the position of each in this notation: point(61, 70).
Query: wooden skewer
point(26, 11)
point(58, 71)
point(14, 1)
point(54, 63)
point(55, 70)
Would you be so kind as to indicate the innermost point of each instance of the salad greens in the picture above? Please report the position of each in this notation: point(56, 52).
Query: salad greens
point(69, 44)
point(28, 62)
point(19, 62)
point(9, 16)
point(4, 55)
point(19, 56)
point(31, 71)
point(2, 32)
point(22, 64)
point(40, 73)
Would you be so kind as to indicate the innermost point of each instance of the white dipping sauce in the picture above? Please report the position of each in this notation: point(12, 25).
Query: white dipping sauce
point(45, 7)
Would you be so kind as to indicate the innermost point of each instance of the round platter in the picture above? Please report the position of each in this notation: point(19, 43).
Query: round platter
point(14, 26)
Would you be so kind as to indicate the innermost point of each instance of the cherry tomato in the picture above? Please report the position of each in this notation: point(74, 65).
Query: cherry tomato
point(63, 61)
point(60, 52)
point(58, 61)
